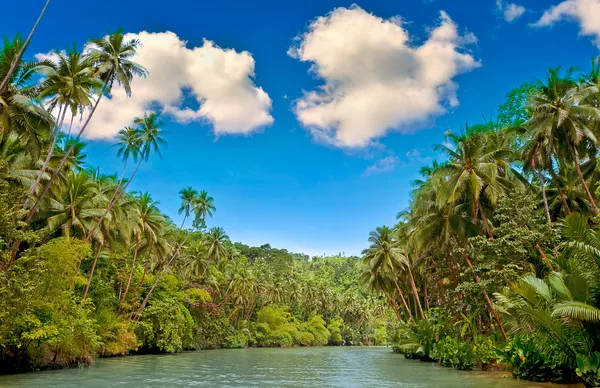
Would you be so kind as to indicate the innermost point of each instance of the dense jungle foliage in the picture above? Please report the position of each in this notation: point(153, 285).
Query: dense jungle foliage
point(89, 268)
point(496, 261)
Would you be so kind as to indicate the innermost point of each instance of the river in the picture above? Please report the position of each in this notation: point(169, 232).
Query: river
point(295, 367)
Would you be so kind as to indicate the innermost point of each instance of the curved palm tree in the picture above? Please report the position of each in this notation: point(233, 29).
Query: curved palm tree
point(19, 111)
point(559, 112)
point(111, 56)
point(15, 63)
point(383, 260)
point(148, 227)
point(147, 138)
point(69, 86)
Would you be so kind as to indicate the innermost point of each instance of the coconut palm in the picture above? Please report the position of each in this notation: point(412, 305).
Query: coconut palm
point(188, 197)
point(111, 56)
point(69, 87)
point(146, 139)
point(215, 241)
point(22, 47)
point(559, 111)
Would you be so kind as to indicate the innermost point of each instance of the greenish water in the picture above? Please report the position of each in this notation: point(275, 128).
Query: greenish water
point(296, 367)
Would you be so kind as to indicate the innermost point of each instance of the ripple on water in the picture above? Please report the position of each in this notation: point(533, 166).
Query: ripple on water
point(296, 367)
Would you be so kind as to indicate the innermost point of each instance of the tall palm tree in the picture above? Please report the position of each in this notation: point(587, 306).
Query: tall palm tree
point(215, 244)
point(15, 63)
point(383, 260)
point(111, 56)
point(559, 110)
point(69, 86)
point(149, 225)
point(19, 111)
point(147, 139)
point(188, 198)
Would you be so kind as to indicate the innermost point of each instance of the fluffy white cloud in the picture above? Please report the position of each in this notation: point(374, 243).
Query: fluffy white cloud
point(382, 165)
point(219, 80)
point(585, 12)
point(375, 80)
point(510, 11)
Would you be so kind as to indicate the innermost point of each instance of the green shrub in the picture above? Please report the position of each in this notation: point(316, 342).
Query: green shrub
point(588, 368)
point(527, 362)
point(335, 331)
point(484, 351)
point(453, 353)
point(316, 326)
point(236, 340)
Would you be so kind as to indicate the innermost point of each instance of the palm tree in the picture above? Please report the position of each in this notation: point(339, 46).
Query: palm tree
point(215, 244)
point(74, 206)
point(559, 111)
point(69, 86)
point(478, 167)
point(111, 57)
point(19, 111)
point(15, 63)
point(188, 198)
point(383, 261)
point(149, 225)
point(148, 138)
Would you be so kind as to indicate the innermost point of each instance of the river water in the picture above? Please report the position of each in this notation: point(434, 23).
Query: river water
point(295, 367)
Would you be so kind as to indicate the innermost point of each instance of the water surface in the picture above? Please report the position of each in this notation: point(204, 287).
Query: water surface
point(295, 367)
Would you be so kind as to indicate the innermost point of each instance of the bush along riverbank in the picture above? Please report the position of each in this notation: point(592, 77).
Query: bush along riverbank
point(497, 258)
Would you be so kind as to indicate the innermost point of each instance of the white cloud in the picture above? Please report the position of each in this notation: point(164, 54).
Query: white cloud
point(584, 12)
point(510, 11)
point(219, 80)
point(382, 165)
point(375, 80)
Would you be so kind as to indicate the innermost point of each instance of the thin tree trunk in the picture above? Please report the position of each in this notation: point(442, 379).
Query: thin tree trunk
point(485, 220)
point(546, 208)
point(87, 287)
point(489, 302)
point(15, 62)
point(164, 270)
point(115, 197)
point(135, 252)
point(395, 307)
point(399, 291)
point(415, 293)
point(560, 192)
point(425, 296)
point(145, 272)
point(63, 161)
point(580, 174)
point(48, 156)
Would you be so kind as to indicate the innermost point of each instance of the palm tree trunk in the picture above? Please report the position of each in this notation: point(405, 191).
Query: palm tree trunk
point(15, 62)
point(425, 296)
point(415, 293)
point(48, 156)
point(485, 220)
point(401, 295)
point(145, 272)
point(63, 161)
point(87, 287)
point(488, 301)
point(135, 252)
point(395, 307)
point(115, 197)
point(560, 192)
point(580, 174)
point(546, 208)
point(162, 272)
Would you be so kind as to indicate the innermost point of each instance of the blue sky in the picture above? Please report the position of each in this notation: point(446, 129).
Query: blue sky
point(317, 191)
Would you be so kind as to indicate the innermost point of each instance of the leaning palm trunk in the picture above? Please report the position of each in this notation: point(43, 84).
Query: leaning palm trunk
point(87, 287)
point(160, 275)
point(415, 293)
point(560, 192)
point(135, 253)
point(488, 301)
point(17, 59)
point(546, 208)
point(580, 174)
point(116, 196)
point(401, 295)
point(48, 156)
point(65, 157)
